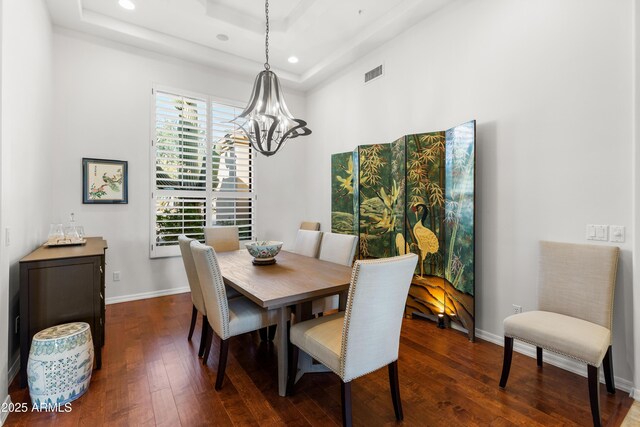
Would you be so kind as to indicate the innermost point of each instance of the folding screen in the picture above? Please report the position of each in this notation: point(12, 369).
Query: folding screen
point(415, 194)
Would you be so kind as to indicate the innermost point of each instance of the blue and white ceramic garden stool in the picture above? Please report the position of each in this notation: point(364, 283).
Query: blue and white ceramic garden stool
point(60, 364)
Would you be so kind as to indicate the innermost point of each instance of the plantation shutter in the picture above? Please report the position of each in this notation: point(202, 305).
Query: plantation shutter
point(202, 170)
point(232, 171)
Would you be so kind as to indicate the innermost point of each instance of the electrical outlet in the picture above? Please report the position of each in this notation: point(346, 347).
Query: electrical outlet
point(517, 309)
point(116, 276)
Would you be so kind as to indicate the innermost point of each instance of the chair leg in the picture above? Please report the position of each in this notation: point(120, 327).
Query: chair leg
point(345, 393)
point(207, 345)
point(194, 316)
point(294, 352)
point(272, 332)
point(203, 335)
point(394, 385)
point(506, 363)
point(594, 394)
point(608, 371)
point(539, 356)
point(222, 362)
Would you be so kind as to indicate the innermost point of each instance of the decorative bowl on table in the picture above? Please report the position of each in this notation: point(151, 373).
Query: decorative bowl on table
point(264, 251)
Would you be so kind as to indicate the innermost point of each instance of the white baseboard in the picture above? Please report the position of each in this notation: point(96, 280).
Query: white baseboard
point(558, 360)
point(14, 369)
point(3, 414)
point(146, 295)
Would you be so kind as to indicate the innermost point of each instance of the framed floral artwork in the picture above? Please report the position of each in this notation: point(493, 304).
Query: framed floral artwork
point(104, 181)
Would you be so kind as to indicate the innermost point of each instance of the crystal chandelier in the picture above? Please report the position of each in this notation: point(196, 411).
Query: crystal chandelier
point(266, 121)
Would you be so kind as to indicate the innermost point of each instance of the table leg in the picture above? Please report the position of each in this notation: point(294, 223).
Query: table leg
point(283, 343)
point(342, 304)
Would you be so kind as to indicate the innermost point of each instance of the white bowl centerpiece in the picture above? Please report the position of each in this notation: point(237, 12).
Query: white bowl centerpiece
point(264, 251)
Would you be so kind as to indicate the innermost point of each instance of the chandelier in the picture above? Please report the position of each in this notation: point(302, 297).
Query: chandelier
point(266, 121)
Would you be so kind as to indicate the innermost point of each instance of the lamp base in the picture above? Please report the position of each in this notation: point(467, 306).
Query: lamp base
point(441, 323)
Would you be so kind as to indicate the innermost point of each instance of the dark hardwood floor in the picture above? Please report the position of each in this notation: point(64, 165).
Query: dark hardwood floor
point(151, 375)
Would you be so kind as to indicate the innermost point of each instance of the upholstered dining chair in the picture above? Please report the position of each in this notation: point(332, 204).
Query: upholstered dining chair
point(227, 318)
point(196, 293)
point(354, 343)
point(575, 311)
point(339, 249)
point(307, 243)
point(308, 225)
point(222, 238)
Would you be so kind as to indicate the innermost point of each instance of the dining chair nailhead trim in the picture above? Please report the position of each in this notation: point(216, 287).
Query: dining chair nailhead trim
point(219, 289)
point(347, 317)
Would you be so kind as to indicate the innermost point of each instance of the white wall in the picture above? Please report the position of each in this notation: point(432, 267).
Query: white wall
point(102, 99)
point(550, 84)
point(26, 152)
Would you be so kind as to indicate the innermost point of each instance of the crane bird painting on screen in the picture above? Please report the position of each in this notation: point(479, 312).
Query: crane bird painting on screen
point(416, 194)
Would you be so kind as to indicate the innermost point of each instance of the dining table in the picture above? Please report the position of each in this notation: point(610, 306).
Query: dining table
point(292, 281)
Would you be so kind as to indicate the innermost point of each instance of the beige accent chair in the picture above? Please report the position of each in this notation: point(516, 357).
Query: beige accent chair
point(339, 249)
point(311, 226)
point(575, 311)
point(227, 318)
point(354, 343)
point(222, 238)
point(307, 243)
point(196, 294)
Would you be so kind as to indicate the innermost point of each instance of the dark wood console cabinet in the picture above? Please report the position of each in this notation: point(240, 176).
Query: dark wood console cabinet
point(60, 285)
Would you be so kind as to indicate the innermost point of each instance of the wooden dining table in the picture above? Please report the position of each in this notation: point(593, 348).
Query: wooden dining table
point(293, 280)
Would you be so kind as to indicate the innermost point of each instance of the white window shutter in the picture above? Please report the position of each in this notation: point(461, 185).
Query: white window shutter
point(202, 170)
point(232, 201)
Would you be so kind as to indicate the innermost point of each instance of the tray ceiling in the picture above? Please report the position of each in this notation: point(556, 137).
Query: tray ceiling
point(326, 35)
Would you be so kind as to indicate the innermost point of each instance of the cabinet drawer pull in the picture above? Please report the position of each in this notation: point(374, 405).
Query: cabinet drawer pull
point(101, 272)
point(101, 296)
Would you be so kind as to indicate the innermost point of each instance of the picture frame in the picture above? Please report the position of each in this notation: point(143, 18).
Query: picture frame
point(104, 181)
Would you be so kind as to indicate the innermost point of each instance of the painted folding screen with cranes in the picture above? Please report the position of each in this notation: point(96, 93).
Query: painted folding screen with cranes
point(416, 194)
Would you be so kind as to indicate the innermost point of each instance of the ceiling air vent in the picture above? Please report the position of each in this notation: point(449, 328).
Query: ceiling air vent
point(373, 74)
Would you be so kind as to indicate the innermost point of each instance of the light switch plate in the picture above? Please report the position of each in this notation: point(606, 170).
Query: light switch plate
point(597, 232)
point(617, 233)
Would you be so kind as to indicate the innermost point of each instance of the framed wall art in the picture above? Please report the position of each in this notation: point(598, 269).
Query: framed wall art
point(104, 181)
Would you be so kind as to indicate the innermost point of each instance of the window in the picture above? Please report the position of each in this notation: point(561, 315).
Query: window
point(202, 170)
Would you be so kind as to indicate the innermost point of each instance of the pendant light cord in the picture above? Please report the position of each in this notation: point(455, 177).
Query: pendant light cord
point(266, 39)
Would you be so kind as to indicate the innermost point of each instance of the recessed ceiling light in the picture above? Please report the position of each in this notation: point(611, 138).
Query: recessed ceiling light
point(293, 59)
point(127, 4)
point(222, 37)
